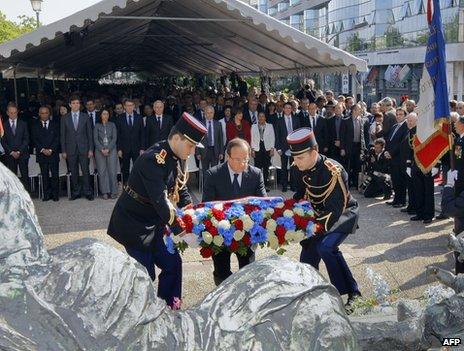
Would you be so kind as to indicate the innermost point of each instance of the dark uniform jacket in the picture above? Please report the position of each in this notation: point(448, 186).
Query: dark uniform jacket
point(18, 141)
point(337, 210)
point(46, 139)
point(377, 163)
point(144, 209)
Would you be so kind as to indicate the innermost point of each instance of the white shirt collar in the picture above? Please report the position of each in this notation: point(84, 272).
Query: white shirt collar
point(231, 172)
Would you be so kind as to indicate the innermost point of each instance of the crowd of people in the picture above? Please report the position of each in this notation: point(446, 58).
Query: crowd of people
point(108, 130)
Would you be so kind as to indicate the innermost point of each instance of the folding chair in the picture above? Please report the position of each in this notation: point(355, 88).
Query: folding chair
point(276, 164)
point(34, 172)
point(63, 172)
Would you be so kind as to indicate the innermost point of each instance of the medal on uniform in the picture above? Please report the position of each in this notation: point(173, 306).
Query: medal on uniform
point(458, 151)
point(160, 157)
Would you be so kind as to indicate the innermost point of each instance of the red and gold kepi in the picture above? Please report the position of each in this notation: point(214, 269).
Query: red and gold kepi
point(301, 140)
point(191, 128)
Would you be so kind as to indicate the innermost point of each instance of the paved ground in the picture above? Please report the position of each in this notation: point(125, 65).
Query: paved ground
point(386, 241)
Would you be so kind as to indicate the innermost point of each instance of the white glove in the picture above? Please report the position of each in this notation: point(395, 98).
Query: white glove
point(408, 171)
point(451, 177)
point(434, 171)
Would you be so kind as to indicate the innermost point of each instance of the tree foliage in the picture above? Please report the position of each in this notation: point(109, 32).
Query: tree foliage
point(10, 30)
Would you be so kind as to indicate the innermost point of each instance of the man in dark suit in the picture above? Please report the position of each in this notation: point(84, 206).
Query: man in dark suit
point(359, 145)
point(263, 104)
point(233, 179)
point(77, 146)
point(309, 118)
point(340, 131)
point(15, 142)
point(46, 136)
point(394, 151)
point(389, 118)
point(159, 125)
point(131, 138)
point(284, 126)
point(250, 112)
point(200, 112)
point(94, 115)
point(213, 152)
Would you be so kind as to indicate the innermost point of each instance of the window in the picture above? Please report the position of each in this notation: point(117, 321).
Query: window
point(406, 10)
point(421, 7)
point(294, 2)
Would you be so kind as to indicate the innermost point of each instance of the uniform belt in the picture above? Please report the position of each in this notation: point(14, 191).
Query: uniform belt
point(141, 199)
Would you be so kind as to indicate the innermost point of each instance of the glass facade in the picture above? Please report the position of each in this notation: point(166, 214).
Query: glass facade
point(367, 25)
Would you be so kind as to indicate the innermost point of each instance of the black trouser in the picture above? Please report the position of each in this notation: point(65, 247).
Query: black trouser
point(284, 159)
point(377, 186)
point(125, 163)
point(411, 192)
point(209, 159)
point(73, 162)
point(263, 161)
point(399, 179)
point(22, 163)
point(424, 193)
point(51, 184)
point(355, 164)
point(222, 264)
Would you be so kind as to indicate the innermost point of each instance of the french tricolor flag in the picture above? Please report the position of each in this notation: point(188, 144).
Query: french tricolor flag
point(433, 137)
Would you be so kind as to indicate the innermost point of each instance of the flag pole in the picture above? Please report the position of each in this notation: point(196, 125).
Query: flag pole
point(451, 144)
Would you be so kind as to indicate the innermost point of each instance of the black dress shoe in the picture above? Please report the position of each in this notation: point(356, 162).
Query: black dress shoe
point(427, 221)
point(46, 198)
point(408, 211)
point(398, 205)
point(391, 203)
point(441, 217)
point(74, 197)
point(89, 197)
point(416, 218)
point(56, 198)
point(351, 299)
point(387, 197)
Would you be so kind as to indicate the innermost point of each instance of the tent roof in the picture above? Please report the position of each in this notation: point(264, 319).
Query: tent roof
point(206, 36)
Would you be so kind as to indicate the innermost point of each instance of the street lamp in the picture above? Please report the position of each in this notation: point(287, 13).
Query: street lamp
point(37, 7)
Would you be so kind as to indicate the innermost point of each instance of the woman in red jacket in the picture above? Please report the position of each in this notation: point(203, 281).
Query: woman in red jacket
point(238, 127)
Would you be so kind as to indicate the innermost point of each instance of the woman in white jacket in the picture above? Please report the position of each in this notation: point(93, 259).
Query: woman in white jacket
point(262, 145)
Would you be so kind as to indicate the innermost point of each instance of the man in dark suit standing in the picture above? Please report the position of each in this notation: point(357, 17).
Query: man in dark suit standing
point(46, 136)
point(94, 115)
point(309, 118)
point(250, 113)
point(158, 125)
point(213, 152)
point(341, 135)
point(394, 152)
point(284, 126)
point(15, 142)
point(77, 146)
point(233, 179)
point(131, 138)
point(389, 118)
point(200, 112)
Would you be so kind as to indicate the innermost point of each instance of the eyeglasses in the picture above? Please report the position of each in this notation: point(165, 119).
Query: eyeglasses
point(240, 160)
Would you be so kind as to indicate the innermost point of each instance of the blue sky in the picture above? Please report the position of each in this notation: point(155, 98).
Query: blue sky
point(52, 10)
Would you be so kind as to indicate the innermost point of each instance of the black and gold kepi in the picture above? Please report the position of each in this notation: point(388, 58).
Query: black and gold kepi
point(301, 140)
point(191, 128)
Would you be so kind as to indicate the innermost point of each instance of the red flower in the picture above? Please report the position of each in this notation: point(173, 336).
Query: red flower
point(246, 240)
point(289, 203)
point(278, 212)
point(280, 231)
point(226, 206)
point(208, 224)
point(238, 224)
point(297, 219)
point(206, 252)
point(213, 231)
point(218, 214)
point(250, 208)
point(234, 246)
point(304, 223)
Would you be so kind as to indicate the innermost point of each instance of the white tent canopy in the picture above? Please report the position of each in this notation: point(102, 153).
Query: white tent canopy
point(170, 37)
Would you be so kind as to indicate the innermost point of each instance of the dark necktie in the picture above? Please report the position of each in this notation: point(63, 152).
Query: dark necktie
point(235, 185)
point(131, 122)
point(45, 125)
point(158, 120)
point(210, 134)
point(13, 127)
point(253, 117)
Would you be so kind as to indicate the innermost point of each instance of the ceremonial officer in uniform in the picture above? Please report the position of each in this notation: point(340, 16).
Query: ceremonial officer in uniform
point(324, 183)
point(146, 207)
point(452, 201)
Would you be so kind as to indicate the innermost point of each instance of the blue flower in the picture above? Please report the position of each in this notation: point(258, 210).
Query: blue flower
point(228, 236)
point(170, 245)
point(198, 228)
point(201, 214)
point(310, 229)
point(258, 234)
point(255, 202)
point(257, 216)
point(287, 222)
point(234, 211)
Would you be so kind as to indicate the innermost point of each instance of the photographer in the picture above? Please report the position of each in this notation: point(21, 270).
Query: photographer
point(378, 180)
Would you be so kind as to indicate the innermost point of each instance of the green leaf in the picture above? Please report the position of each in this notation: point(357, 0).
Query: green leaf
point(281, 251)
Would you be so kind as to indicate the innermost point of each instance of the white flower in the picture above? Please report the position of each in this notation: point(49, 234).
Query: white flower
point(273, 241)
point(247, 223)
point(290, 235)
point(224, 224)
point(214, 222)
point(190, 212)
point(280, 205)
point(271, 225)
point(270, 211)
point(238, 235)
point(191, 240)
point(219, 206)
point(218, 240)
point(288, 213)
point(176, 239)
point(299, 235)
point(299, 211)
point(207, 237)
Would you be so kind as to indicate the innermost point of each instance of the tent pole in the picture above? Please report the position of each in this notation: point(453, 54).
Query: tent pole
point(15, 85)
